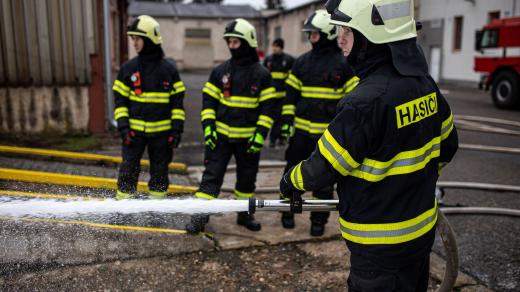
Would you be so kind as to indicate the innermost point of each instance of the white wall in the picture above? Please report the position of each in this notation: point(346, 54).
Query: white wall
point(458, 65)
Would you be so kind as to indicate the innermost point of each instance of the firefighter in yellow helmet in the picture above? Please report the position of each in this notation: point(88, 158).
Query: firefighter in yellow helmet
point(237, 113)
point(149, 110)
point(318, 80)
point(391, 137)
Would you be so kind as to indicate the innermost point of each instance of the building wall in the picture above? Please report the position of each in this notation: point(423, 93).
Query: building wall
point(458, 65)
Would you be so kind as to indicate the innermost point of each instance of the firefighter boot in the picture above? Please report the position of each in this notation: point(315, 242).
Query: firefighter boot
point(248, 221)
point(197, 223)
point(287, 220)
point(318, 226)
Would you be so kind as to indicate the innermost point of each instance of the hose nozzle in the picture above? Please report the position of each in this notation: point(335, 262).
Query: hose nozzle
point(286, 206)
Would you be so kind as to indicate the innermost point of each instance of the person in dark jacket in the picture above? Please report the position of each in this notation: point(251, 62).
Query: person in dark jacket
point(318, 80)
point(279, 64)
point(149, 110)
point(237, 113)
point(385, 148)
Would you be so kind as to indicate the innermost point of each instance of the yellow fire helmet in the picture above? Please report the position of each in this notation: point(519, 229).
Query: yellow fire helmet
point(320, 21)
point(145, 26)
point(380, 21)
point(242, 29)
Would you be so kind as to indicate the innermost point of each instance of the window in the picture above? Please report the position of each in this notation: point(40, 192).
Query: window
point(201, 36)
point(493, 15)
point(489, 39)
point(457, 33)
point(277, 32)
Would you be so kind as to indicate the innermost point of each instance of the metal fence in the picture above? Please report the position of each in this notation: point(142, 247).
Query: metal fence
point(47, 42)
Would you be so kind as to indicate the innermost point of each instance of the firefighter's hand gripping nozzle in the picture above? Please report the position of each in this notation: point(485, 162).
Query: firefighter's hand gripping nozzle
point(293, 206)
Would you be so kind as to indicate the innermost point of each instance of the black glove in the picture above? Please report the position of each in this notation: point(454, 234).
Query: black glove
point(174, 139)
point(290, 192)
point(127, 136)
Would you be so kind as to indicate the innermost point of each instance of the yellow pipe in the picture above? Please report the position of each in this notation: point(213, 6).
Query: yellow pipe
point(79, 156)
point(78, 180)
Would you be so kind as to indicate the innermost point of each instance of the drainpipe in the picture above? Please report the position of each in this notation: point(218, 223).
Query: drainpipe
point(108, 66)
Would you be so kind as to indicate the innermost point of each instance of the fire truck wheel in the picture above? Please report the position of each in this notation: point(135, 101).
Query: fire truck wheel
point(506, 90)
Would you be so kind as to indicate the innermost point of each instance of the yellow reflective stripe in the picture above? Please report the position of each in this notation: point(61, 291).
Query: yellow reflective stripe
point(279, 94)
point(265, 121)
point(390, 233)
point(208, 113)
point(234, 132)
point(337, 156)
point(267, 93)
point(447, 127)
point(310, 127)
point(294, 82)
point(296, 177)
point(350, 84)
point(289, 109)
point(150, 127)
point(202, 195)
point(403, 163)
point(279, 75)
point(151, 97)
point(321, 92)
point(121, 88)
point(441, 166)
point(242, 196)
point(212, 90)
point(178, 87)
point(121, 112)
point(240, 101)
point(178, 114)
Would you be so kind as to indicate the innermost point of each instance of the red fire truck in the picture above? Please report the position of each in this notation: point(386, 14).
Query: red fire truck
point(499, 60)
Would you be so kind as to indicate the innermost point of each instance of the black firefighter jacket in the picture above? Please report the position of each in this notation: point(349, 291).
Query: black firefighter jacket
point(280, 67)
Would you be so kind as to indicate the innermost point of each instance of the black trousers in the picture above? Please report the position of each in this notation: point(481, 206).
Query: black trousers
point(275, 133)
point(160, 155)
point(367, 276)
point(300, 148)
point(216, 162)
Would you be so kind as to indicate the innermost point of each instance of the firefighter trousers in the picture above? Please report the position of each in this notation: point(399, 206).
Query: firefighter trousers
point(300, 148)
point(216, 162)
point(160, 156)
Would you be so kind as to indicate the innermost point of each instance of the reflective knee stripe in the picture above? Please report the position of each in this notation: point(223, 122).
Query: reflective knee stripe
point(447, 127)
point(208, 113)
point(294, 82)
point(201, 195)
point(322, 92)
point(122, 195)
point(389, 233)
point(337, 156)
point(279, 75)
point(121, 88)
point(296, 177)
point(310, 127)
point(121, 112)
point(178, 114)
point(403, 163)
point(150, 127)
point(265, 121)
point(242, 196)
point(234, 132)
point(289, 109)
point(158, 195)
point(267, 93)
point(178, 87)
point(212, 90)
point(350, 84)
point(150, 97)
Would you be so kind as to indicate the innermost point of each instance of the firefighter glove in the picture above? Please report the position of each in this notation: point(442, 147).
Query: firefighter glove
point(287, 131)
point(174, 139)
point(286, 187)
point(128, 136)
point(210, 136)
point(255, 143)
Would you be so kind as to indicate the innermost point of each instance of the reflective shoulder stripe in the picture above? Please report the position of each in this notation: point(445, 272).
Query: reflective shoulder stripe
point(289, 109)
point(265, 121)
point(202, 195)
point(267, 93)
point(390, 233)
point(242, 196)
point(403, 163)
point(296, 177)
point(337, 156)
point(178, 114)
point(208, 113)
point(234, 132)
point(121, 88)
point(212, 90)
point(447, 127)
point(121, 112)
point(294, 82)
point(350, 84)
